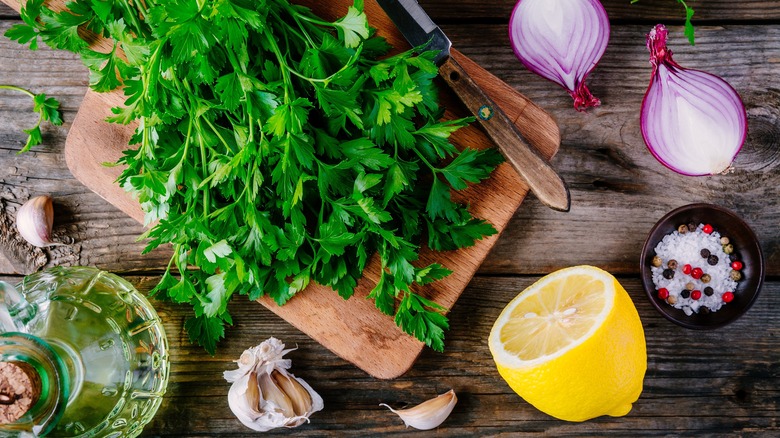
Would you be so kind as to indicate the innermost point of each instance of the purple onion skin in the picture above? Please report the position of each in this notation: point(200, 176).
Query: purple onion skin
point(721, 92)
point(577, 53)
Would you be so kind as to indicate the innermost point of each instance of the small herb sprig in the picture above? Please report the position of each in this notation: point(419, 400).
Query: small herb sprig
point(690, 31)
point(275, 148)
point(47, 109)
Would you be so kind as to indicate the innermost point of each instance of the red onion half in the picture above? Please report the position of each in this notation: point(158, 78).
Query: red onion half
point(693, 122)
point(561, 40)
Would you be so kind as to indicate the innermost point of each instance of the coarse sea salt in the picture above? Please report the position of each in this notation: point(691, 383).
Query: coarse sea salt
point(686, 249)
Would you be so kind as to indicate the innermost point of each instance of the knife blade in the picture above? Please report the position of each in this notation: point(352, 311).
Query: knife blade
point(418, 28)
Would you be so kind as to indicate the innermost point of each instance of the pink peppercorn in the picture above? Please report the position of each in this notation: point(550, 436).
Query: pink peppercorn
point(663, 293)
point(687, 269)
point(707, 229)
point(696, 294)
point(728, 297)
point(697, 273)
point(737, 265)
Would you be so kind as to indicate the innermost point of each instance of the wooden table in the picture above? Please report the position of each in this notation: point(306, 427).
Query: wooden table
point(718, 382)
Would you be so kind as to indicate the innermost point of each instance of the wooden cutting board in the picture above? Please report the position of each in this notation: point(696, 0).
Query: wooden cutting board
point(353, 329)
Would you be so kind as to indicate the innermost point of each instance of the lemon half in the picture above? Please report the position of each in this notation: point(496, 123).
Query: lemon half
point(572, 345)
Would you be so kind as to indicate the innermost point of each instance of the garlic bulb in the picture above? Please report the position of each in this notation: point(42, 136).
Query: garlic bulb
point(35, 219)
point(428, 414)
point(264, 395)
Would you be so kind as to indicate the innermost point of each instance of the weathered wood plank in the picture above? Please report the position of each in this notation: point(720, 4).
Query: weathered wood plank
point(618, 189)
point(717, 383)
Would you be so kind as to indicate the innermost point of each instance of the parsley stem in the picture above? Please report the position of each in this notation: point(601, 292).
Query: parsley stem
point(15, 88)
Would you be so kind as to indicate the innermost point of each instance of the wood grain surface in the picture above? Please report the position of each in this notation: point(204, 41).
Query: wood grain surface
point(720, 383)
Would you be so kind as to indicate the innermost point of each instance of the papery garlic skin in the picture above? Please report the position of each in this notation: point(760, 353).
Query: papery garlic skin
point(428, 414)
point(264, 395)
point(35, 219)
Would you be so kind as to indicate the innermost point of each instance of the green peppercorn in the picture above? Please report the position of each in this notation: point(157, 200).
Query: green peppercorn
point(690, 286)
point(672, 264)
point(724, 240)
point(657, 262)
point(735, 275)
point(706, 278)
point(728, 248)
point(682, 229)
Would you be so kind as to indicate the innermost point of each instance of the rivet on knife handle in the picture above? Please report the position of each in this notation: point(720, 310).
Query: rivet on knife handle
point(543, 181)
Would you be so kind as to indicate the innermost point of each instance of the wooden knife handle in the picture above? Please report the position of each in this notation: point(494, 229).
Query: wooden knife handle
point(543, 181)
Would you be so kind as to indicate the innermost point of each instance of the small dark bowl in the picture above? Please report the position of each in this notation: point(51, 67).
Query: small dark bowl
point(746, 247)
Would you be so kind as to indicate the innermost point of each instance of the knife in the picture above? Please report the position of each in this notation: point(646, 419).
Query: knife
point(418, 28)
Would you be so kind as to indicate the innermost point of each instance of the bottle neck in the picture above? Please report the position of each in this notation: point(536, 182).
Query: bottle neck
point(34, 385)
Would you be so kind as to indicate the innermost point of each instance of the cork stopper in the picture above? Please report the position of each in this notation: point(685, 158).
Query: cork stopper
point(20, 389)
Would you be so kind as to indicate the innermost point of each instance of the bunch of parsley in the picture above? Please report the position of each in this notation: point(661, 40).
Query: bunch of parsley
point(275, 148)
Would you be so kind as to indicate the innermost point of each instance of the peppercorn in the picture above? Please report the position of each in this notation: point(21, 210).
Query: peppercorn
point(657, 262)
point(696, 294)
point(728, 248)
point(737, 265)
point(663, 293)
point(724, 240)
point(696, 273)
point(690, 286)
point(691, 227)
point(704, 310)
point(673, 264)
point(713, 260)
point(706, 278)
point(669, 274)
point(728, 297)
point(733, 257)
point(685, 293)
point(707, 229)
point(704, 253)
point(672, 299)
point(686, 269)
point(736, 275)
point(682, 229)
point(708, 291)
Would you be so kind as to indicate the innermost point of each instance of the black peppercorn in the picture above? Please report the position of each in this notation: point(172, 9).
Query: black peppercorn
point(691, 227)
point(704, 253)
point(733, 257)
point(668, 274)
point(708, 291)
point(704, 310)
point(685, 293)
point(713, 260)
point(672, 264)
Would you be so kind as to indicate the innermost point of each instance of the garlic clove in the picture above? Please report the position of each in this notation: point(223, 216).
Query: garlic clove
point(35, 220)
point(274, 396)
point(429, 414)
point(299, 396)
